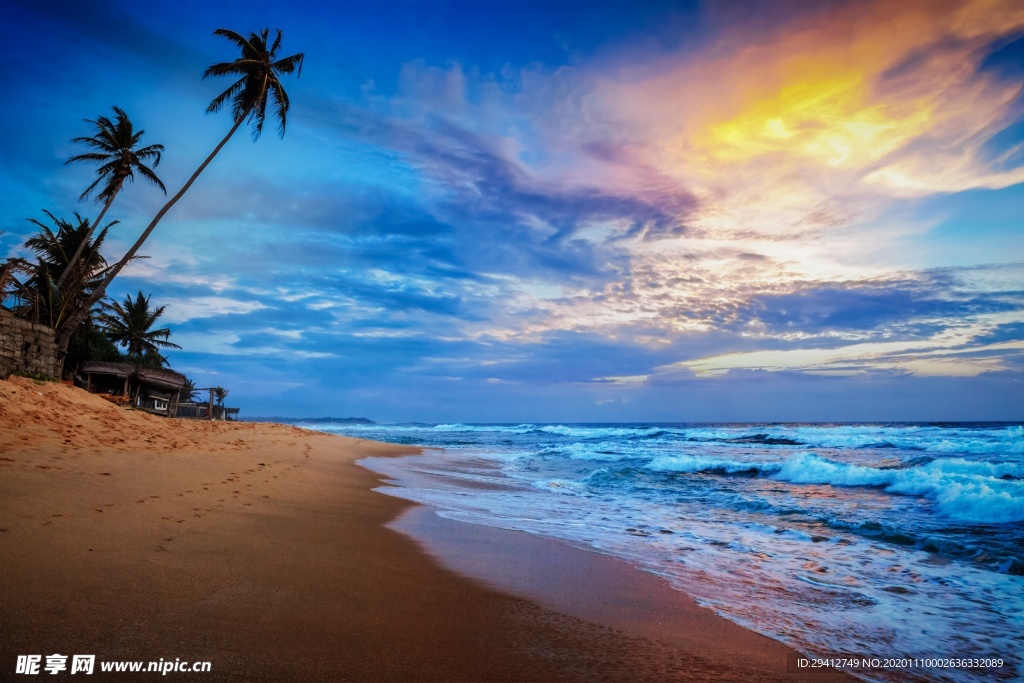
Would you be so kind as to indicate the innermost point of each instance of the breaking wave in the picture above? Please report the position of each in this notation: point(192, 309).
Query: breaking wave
point(964, 490)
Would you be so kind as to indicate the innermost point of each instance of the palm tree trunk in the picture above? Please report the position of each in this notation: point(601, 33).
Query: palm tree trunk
point(81, 246)
point(64, 337)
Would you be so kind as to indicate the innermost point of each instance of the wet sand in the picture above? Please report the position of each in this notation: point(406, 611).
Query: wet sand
point(262, 549)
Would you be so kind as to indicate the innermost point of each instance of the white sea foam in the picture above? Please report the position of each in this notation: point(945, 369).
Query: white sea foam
point(749, 525)
point(581, 432)
point(963, 490)
point(698, 463)
point(507, 429)
point(560, 485)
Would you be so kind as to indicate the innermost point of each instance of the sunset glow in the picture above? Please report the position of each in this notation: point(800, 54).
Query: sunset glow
point(596, 214)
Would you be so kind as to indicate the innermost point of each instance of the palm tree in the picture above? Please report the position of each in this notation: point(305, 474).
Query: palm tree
point(129, 324)
point(259, 71)
point(189, 391)
point(115, 146)
point(57, 306)
point(14, 289)
point(220, 393)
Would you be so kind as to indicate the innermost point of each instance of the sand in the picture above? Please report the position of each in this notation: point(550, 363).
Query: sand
point(262, 549)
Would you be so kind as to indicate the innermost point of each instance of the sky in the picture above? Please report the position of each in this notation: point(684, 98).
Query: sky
point(544, 212)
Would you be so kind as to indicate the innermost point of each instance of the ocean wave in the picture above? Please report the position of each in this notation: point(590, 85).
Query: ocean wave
point(603, 451)
point(567, 486)
point(926, 438)
point(593, 432)
point(697, 463)
point(969, 491)
point(483, 428)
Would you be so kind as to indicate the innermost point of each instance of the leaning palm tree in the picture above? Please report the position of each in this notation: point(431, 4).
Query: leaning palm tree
point(258, 70)
point(129, 324)
point(115, 149)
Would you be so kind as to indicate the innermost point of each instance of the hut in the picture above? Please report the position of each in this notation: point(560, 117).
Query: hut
point(155, 390)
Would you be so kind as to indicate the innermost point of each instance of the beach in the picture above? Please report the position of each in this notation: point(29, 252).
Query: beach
point(263, 550)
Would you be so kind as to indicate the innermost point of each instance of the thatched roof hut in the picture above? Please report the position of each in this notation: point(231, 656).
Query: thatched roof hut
point(156, 389)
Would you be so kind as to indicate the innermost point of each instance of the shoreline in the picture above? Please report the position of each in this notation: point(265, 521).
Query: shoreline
point(262, 549)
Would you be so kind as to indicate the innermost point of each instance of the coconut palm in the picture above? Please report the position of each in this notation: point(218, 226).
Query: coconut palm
point(220, 393)
point(56, 306)
point(189, 391)
point(258, 70)
point(14, 289)
point(116, 149)
point(129, 324)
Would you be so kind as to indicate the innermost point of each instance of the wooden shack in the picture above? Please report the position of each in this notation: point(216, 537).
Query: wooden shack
point(155, 390)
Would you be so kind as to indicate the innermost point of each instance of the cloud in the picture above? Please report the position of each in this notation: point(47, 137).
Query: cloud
point(744, 203)
point(873, 305)
point(185, 309)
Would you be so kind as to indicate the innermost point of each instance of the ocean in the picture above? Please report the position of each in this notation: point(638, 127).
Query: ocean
point(862, 540)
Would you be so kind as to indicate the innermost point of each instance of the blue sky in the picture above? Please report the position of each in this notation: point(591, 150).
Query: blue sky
point(561, 211)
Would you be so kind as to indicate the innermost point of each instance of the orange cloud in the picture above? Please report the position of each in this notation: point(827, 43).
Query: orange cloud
point(849, 91)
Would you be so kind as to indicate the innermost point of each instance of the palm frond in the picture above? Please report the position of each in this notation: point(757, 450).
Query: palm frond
point(240, 67)
point(219, 100)
point(235, 38)
point(117, 140)
point(148, 174)
point(281, 105)
point(259, 83)
point(151, 152)
point(289, 64)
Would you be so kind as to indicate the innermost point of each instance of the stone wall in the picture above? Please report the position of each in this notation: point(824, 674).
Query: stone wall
point(26, 347)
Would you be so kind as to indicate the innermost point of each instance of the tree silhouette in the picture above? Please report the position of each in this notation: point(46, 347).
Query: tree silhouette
point(259, 70)
point(116, 150)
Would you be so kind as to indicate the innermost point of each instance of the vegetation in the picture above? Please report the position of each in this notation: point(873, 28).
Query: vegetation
point(258, 70)
point(38, 377)
point(130, 325)
point(64, 284)
point(37, 297)
point(116, 150)
point(189, 393)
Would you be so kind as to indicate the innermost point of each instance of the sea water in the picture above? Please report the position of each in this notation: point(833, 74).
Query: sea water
point(862, 540)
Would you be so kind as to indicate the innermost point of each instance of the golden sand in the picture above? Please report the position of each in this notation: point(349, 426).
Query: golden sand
point(262, 549)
